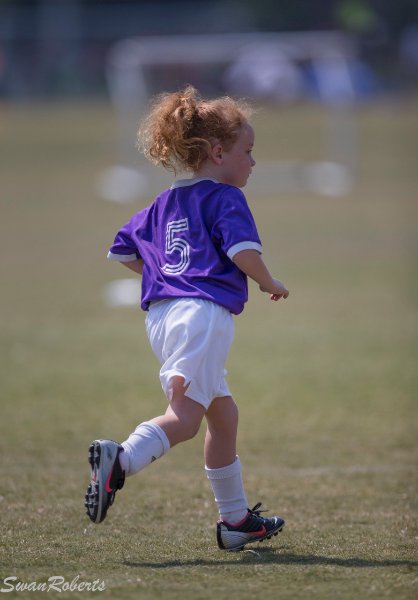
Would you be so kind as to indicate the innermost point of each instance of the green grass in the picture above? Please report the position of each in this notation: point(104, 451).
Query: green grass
point(326, 382)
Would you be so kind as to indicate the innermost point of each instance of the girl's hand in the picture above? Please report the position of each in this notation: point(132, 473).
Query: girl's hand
point(277, 290)
point(251, 263)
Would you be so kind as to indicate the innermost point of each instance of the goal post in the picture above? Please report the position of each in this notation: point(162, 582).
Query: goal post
point(138, 68)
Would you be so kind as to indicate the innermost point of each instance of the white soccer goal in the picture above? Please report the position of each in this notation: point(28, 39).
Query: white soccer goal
point(258, 64)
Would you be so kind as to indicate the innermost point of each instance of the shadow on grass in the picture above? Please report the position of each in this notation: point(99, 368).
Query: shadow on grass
point(267, 555)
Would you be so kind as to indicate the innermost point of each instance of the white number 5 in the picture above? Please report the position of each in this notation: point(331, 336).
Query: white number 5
point(173, 243)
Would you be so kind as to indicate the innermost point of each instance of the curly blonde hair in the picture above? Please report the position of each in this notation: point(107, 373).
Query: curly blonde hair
point(181, 128)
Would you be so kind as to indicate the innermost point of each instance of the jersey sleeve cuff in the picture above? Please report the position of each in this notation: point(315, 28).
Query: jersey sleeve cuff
point(244, 246)
point(122, 257)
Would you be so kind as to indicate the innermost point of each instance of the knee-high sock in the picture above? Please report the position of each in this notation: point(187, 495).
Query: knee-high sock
point(228, 489)
point(147, 443)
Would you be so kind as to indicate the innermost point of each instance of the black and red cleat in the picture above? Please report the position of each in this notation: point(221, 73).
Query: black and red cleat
point(107, 477)
point(253, 528)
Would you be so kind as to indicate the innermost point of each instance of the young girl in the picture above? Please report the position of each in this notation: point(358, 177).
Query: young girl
point(194, 246)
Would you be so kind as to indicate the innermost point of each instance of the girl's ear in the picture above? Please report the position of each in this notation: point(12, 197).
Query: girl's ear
point(217, 154)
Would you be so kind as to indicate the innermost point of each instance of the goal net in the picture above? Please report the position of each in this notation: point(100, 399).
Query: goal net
point(255, 65)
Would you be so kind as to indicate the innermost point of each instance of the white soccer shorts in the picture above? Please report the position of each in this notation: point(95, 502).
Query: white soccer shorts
point(191, 338)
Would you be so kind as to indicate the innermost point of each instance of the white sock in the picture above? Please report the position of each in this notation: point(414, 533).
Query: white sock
point(228, 490)
point(147, 443)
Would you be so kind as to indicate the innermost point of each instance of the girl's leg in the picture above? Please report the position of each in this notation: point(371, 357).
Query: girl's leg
point(153, 438)
point(183, 416)
point(110, 462)
point(223, 466)
point(221, 434)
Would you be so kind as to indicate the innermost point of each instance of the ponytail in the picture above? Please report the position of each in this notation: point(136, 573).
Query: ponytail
point(181, 128)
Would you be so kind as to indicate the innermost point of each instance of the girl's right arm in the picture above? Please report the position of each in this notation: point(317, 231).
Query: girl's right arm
point(134, 265)
point(251, 263)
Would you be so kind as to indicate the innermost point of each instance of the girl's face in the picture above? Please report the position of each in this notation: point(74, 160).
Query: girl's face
point(238, 162)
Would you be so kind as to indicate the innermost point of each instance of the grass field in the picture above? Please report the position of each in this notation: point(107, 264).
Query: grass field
point(326, 382)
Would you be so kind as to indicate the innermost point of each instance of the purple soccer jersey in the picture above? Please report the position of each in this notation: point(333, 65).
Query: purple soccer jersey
point(187, 238)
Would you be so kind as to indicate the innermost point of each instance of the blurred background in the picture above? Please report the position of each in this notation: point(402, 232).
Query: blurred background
point(335, 53)
point(332, 436)
point(58, 48)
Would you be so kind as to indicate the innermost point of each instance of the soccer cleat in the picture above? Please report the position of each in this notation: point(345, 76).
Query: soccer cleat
point(106, 478)
point(252, 528)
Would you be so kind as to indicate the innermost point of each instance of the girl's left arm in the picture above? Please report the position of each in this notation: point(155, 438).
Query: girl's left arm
point(251, 263)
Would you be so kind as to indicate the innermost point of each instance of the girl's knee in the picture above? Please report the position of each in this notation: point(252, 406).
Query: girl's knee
point(184, 428)
point(223, 412)
point(186, 413)
point(191, 429)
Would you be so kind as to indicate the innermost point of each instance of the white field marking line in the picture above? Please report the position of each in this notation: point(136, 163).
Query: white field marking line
point(345, 470)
